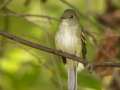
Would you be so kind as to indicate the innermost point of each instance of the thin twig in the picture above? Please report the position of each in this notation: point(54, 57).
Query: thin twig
point(107, 64)
point(12, 12)
point(29, 15)
point(68, 4)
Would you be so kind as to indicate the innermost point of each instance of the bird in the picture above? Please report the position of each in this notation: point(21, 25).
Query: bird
point(70, 38)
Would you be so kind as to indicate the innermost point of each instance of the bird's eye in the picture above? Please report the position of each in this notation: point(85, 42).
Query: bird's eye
point(71, 16)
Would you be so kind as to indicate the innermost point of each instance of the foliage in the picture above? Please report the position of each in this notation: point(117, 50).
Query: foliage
point(24, 68)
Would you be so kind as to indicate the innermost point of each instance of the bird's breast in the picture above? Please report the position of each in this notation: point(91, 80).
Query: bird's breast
point(67, 39)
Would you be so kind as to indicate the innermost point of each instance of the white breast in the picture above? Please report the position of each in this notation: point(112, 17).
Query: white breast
point(66, 38)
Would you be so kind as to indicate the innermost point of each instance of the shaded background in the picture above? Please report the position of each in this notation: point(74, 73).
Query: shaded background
point(25, 68)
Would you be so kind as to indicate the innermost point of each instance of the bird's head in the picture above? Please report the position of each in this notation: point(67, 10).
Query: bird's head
point(70, 16)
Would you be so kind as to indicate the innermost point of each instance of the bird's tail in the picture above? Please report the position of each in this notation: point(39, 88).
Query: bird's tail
point(72, 76)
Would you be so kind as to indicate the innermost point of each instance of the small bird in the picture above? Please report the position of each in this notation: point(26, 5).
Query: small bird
point(70, 38)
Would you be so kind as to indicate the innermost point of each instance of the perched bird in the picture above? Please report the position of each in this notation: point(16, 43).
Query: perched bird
point(70, 38)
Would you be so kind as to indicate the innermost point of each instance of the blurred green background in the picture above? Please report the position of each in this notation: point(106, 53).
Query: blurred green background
point(25, 68)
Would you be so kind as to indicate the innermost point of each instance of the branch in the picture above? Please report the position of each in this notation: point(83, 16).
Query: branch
point(54, 51)
point(40, 47)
